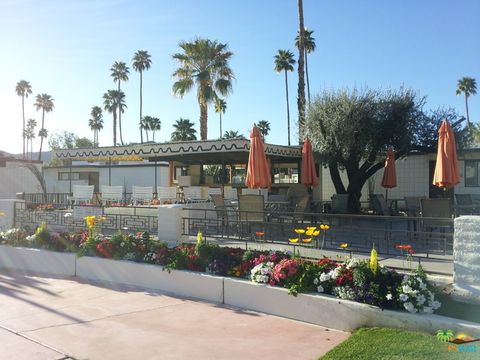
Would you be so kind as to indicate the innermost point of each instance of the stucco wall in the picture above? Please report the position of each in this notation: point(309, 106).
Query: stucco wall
point(14, 178)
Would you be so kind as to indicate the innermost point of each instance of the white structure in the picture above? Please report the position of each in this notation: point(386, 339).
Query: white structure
point(16, 178)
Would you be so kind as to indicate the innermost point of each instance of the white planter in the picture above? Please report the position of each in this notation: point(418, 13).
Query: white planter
point(39, 261)
point(328, 311)
point(184, 283)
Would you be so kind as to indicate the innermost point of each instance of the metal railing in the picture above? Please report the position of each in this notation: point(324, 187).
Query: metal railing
point(426, 236)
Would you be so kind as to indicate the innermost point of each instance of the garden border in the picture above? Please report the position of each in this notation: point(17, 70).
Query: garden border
point(318, 309)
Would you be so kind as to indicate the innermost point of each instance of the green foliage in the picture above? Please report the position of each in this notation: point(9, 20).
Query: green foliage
point(303, 281)
point(183, 130)
point(233, 134)
point(42, 236)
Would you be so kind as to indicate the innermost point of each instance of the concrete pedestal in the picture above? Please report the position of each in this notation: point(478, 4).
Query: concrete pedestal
point(170, 223)
point(7, 210)
point(466, 258)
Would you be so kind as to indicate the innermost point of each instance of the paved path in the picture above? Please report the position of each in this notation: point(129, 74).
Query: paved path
point(45, 318)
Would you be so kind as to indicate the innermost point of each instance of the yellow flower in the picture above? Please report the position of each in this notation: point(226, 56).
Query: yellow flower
point(199, 237)
point(310, 231)
point(300, 231)
point(316, 233)
point(293, 240)
point(326, 227)
point(373, 260)
point(308, 240)
point(91, 221)
point(344, 246)
point(311, 227)
point(103, 218)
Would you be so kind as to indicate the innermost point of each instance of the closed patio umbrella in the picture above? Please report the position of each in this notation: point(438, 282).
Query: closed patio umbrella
point(258, 171)
point(389, 180)
point(308, 173)
point(446, 169)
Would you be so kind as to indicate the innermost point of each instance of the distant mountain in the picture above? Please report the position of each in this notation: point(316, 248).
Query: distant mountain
point(46, 155)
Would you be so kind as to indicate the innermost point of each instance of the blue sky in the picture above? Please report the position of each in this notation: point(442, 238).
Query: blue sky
point(66, 48)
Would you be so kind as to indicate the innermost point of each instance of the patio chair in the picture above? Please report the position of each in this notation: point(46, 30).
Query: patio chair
point(214, 191)
point(436, 208)
point(111, 193)
point(193, 194)
point(82, 193)
point(263, 192)
point(413, 205)
point(251, 212)
point(231, 194)
point(297, 214)
point(339, 204)
point(167, 194)
point(464, 205)
point(226, 214)
point(140, 194)
point(379, 205)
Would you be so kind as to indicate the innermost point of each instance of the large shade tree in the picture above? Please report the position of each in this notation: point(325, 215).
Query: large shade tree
point(284, 61)
point(43, 102)
point(352, 130)
point(141, 62)
point(183, 130)
point(203, 64)
point(468, 87)
point(309, 47)
point(96, 122)
point(113, 100)
point(23, 89)
point(119, 72)
point(301, 73)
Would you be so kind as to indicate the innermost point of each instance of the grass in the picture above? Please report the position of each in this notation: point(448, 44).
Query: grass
point(394, 344)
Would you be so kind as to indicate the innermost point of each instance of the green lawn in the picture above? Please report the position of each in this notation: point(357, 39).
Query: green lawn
point(383, 344)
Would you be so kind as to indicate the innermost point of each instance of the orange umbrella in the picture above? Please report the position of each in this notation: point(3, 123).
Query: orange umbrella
point(308, 173)
point(258, 171)
point(389, 180)
point(446, 169)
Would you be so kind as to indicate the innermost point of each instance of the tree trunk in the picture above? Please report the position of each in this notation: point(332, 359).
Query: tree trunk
point(306, 75)
point(221, 124)
point(301, 74)
point(140, 123)
point(466, 107)
point(23, 129)
point(203, 121)
point(41, 137)
point(114, 128)
point(288, 108)
point(119, 107)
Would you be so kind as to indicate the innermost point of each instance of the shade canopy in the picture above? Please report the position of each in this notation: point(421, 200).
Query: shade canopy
point(389, 180)
point(446, 169)
point(258, 171)
point(308, 173)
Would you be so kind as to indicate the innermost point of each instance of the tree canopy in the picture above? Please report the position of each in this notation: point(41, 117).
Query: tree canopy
point(351, 130)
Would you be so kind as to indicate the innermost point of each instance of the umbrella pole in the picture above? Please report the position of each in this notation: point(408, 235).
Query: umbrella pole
point(386, 194)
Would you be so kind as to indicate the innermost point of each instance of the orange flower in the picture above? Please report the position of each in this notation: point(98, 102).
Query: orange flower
point(259, 233)
point(404, 247)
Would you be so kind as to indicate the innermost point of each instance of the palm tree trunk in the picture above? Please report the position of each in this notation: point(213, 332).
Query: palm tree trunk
point(153, 135)
point(146, 133)
point(41, 137)
point(120, 117)
point(23, 129)
point(221, 124)
point(114, 128)
point(466, 107)
point(306, 74)
point(288, 108)
point(140, 123)
point(301, 73)
point(203, 121)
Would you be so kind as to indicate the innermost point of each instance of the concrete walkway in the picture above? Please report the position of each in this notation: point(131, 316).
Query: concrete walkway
point(46, 318)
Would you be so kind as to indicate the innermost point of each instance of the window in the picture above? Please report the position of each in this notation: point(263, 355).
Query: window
point(472, 173)
point(285, 173)
point(66, 176)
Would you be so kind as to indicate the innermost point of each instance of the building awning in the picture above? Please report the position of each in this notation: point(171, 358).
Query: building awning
point(229, 151)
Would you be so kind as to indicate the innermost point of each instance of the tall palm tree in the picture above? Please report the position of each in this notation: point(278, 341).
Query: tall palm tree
point(141, 62)
point(220, 107)
point(184, 130)
point(264, 127)
point(154, 125)
point(204, 64)
point(309, 47)
point(301, 73)
point(467, 86)
point(233, 134)
point(113, 100)
point(96, 122)
point(284, 61)
point(23, 89)
point(44, 102)
point(30, 135)
point(145, 124)
point(119, 72)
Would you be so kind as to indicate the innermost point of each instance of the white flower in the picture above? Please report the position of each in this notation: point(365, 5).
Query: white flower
point(403, 297)
point(409, 307)
point(315, 282)
point(320, 289)
point(405, 278)
point(389, 296)
point(67, 215)
point(407, 289)
point(30, 238)
point(122, 244)
point(324, 277)
point(334, 273)
point(427, 309)
point(435, 305)
point(423, 286)
point(421, 299)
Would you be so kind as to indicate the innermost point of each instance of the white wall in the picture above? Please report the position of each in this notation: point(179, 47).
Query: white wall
point(15, 178)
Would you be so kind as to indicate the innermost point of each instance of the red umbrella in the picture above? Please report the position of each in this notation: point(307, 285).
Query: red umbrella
point(446, 169)
point(258, 171)
point(308, 173)
point(389, 180)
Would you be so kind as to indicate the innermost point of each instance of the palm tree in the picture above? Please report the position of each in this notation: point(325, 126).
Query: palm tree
point(113, 100)
point(119, 72)
point(23, 89)
point(220, 107)
point(141, 62)
point(154, 125)
point(203, 63)
point(148, 123)
point(468, 86)
point(96, 122)
point(309, 46)
point(233, 134)
point(30, 135)
point(301, 73)
point(264, 127)
point(184, 130)
point(44, 102)
point(284, 61)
